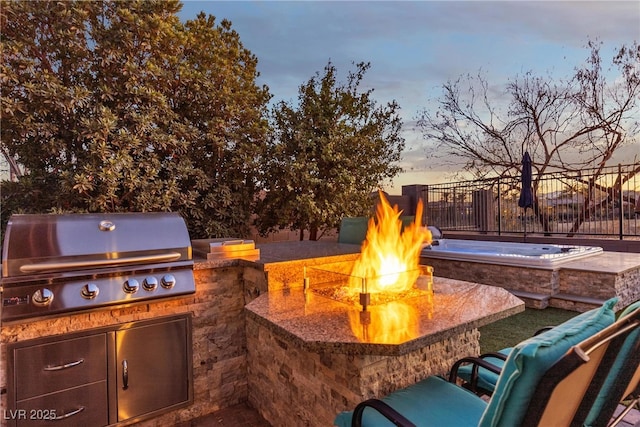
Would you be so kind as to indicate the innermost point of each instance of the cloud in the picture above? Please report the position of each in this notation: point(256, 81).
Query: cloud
point(416, 46)
point(423, 43)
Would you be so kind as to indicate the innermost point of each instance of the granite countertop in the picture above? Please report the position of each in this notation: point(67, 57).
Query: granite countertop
point(321, 324)
point(304, 250)
point(605, 262)
point(290, 252)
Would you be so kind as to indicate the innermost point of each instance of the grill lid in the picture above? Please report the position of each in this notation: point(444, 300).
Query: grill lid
point(36, 244)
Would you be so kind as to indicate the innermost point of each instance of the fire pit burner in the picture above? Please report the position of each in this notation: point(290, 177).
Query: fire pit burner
point(336, 282)
point(344, 294)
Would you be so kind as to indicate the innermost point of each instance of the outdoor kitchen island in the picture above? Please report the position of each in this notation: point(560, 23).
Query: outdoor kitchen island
point(305, 360)
point(244, 351)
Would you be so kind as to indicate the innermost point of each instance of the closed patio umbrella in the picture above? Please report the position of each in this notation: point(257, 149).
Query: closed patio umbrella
point(526, 193)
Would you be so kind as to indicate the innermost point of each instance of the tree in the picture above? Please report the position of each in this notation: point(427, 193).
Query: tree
point(566, 125)
point(118, 106)
point(327, 154)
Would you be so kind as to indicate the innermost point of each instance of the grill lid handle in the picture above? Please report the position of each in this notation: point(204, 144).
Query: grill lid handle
point(71, 265)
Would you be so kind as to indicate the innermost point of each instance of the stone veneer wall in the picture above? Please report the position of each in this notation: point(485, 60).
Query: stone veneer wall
point(580, 288)
point(628, 286)
point(536, 280)
point(598, 286)
point(219, 344)
point(588, 283)
point(293, 387)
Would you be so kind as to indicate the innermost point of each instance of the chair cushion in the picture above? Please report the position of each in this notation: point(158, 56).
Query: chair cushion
point(353, 230)
point(530, 359)
point(606, 392)
point(430, 402)
point(486, 379)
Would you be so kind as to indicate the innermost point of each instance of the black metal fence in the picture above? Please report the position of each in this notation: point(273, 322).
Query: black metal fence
point(590, 202)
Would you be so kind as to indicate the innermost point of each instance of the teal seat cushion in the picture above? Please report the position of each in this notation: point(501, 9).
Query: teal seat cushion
point(610, 382)
point(530, 359)
point(430, 402)
point(486, 379)
point(353, 230)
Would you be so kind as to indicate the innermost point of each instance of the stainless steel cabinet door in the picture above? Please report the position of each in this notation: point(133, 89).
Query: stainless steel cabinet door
point(152, 367)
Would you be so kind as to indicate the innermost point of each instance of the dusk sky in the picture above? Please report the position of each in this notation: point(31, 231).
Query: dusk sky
point(414, 47)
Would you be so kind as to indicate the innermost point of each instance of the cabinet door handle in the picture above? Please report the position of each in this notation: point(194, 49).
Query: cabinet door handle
point(70, 414)
point(65, 366)
point(125, 375)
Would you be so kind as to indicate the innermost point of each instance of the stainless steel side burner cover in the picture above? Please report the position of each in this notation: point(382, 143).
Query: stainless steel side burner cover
point(57, 263)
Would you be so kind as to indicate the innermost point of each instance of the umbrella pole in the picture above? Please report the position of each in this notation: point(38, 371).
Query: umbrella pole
point(524, 239)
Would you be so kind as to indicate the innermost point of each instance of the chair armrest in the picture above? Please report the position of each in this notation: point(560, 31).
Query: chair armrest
point(477, 363)
point(496, 354)
point(391, 414)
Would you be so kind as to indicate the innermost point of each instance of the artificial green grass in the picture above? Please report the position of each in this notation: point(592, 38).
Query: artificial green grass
point(510, 331)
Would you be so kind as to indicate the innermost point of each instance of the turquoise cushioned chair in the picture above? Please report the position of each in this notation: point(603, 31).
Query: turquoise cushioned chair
point(480, 374)
point(353, 230)
point(437, 402)
point(603, 407)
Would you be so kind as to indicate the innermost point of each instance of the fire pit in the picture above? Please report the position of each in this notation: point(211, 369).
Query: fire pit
point(384, 316)
point(353, 330)
point(304, 347)
point(388, 267)
point(335, 281)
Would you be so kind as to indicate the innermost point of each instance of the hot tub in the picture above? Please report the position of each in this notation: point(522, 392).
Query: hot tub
point(507, 253)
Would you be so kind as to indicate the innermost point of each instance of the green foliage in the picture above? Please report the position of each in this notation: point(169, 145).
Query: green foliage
point(327, 154)
point(118, 106)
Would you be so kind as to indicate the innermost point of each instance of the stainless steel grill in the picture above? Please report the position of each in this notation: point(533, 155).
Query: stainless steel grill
point(53, 264)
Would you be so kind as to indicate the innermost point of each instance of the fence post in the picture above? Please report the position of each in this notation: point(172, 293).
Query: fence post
point(499, 208)
point(455, 208)
point(425, 200)
point(620, 205)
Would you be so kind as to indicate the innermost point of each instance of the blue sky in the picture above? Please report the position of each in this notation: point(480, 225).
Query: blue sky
point(416, 46)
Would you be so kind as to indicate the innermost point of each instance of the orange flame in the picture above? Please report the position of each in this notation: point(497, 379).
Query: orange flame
point(391, 323)
point(390, 257)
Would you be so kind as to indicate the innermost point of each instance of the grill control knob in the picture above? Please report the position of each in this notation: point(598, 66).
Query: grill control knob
point(42, 297)
point(131, 286)
point(90, 291)
point(150, 283)
point(168, 281)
